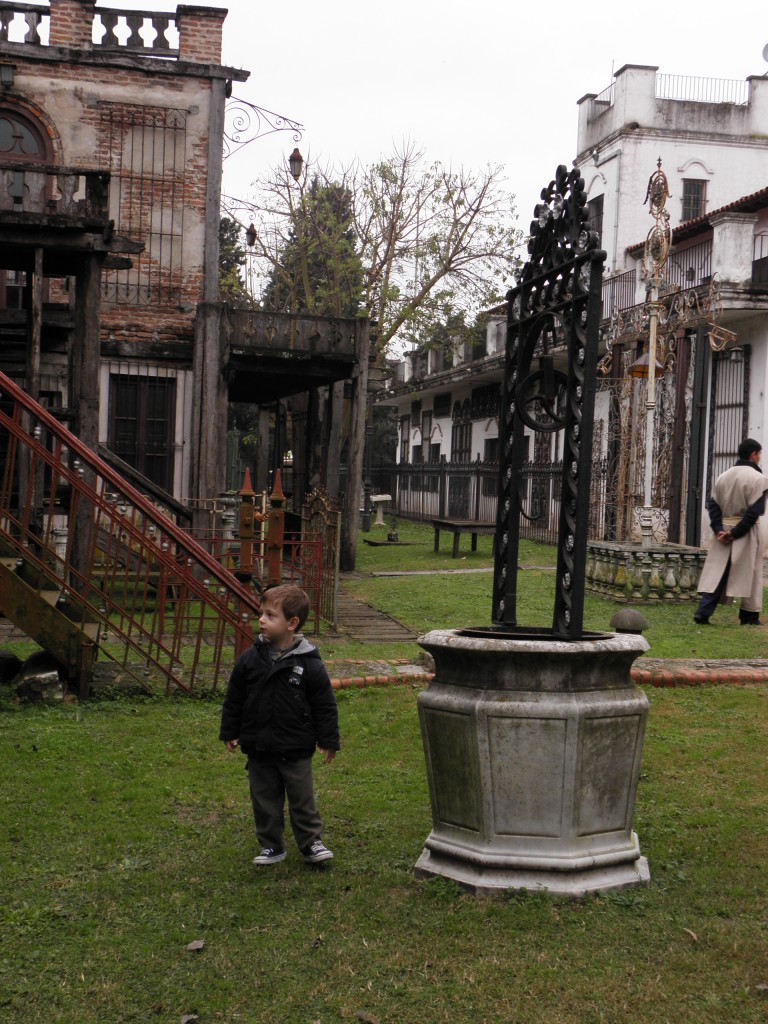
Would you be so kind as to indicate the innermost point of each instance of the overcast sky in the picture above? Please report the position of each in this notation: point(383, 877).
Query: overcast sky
point(473, 83)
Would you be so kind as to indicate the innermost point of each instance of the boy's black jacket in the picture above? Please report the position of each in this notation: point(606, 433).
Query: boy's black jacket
point(285, 707)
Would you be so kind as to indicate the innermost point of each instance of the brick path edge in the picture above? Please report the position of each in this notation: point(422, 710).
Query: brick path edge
point(658, 678)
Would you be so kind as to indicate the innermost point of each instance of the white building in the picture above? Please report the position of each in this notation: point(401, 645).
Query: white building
point(712, 139)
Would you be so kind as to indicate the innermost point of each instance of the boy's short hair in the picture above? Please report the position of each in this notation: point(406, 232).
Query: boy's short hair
point(290, 598)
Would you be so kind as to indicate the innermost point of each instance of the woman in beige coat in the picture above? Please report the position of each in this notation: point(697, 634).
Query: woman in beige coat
point(734, 564)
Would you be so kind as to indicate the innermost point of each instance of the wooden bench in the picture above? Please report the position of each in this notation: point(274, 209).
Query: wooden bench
point(459, 526)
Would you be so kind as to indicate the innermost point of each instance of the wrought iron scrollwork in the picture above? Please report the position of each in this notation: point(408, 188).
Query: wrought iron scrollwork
point(557, 299)
point(245, 122)
point(540, 399)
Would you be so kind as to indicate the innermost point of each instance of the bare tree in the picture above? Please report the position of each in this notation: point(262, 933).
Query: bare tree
point(428, 241)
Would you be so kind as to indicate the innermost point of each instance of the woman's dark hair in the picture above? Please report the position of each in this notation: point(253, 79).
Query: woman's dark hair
point(748, 447)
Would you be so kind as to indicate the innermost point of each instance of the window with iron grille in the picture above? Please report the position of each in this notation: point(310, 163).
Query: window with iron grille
point(432, 480)
point(486, 402)
point(142, 412)
point(595, 216)
point(405, 438)
point(491, 455)
point(442, 405)
point(426, 431)
point(145, 151)
point(461, 434)
point(694, 198)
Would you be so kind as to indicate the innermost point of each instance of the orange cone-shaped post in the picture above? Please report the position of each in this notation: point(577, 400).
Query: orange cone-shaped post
point(276, 531)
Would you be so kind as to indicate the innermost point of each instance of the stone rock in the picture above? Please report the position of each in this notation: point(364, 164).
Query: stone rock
point(629, 620)
point(39, 679)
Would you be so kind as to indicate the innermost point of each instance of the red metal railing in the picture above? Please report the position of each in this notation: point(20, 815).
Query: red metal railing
point(162, 604)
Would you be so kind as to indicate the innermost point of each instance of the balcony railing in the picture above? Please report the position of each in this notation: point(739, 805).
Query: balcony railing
point(148, 32)
point(688, 268)
point(619, 292)
point(44, 191)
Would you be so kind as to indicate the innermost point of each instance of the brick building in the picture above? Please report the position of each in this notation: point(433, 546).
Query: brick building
point(111, 126)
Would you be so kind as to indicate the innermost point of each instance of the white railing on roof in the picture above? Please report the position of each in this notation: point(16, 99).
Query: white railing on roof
point(702, 90)
point(600, 103)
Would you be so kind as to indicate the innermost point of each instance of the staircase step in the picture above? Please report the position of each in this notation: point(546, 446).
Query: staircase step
point(91, 630)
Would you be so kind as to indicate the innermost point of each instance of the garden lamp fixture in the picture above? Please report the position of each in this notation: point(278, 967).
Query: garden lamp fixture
point(639, 369)
point(250, 235)
point(296, 162)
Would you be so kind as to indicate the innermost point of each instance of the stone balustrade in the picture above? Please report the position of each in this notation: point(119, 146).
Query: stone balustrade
point(42, 190)
point(23, 23)
point(148, 32)
point(629, 572)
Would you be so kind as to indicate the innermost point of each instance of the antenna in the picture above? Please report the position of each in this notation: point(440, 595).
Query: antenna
point(765, 52)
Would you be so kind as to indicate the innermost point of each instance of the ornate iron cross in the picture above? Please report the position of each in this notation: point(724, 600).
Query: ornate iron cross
point(554, 311)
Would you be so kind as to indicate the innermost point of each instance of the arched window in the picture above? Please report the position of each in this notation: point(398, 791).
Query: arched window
point(21, 139)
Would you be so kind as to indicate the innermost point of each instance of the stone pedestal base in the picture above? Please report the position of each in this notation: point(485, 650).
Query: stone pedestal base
point(486, 878)
point(533, 750)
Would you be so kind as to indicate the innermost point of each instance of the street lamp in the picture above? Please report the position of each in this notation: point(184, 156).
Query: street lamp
point(296, 162)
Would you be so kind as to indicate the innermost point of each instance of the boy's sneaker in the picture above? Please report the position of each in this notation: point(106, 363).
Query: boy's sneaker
point(316, 852)
point(268, 856)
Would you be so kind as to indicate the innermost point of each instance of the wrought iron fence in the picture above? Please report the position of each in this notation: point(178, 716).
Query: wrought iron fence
point(469, 491)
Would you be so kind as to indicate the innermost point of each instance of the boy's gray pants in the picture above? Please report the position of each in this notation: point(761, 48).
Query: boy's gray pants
point(270, 782)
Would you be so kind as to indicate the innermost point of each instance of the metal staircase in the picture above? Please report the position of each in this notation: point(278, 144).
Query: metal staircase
point(90, 567)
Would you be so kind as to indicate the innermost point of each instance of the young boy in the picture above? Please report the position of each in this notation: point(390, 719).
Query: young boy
point(279, 706)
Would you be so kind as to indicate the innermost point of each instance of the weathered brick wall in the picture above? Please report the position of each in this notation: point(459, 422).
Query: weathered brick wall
point(200, 32)
point(121, 325)
point(97, 117)
point(71, 22)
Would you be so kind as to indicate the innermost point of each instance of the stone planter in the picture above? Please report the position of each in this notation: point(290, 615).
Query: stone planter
point(533, 750)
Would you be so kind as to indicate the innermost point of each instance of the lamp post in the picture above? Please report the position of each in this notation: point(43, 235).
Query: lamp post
point(655, 255)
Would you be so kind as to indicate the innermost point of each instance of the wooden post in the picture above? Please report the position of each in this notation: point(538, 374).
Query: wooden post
point(84, 396)
point(350, 522)
point(262, 454)
point(334, 443)
point(247, 519)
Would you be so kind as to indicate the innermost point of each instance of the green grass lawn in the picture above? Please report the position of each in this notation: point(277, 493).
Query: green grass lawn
point(451, 601)
point(125, 834)
point(440, 597)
